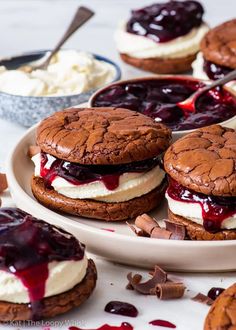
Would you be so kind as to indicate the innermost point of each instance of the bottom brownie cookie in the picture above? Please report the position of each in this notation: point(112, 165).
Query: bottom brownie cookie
point(222, 315)
point(161, 65)
point(197, 232)
point(55, 305)
point(94, 209)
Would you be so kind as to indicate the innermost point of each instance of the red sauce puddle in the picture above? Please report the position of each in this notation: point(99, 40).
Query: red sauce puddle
point(123, 326)
point(110, 230)
point(163, 323)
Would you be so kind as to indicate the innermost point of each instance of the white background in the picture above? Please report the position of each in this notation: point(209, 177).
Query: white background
point(37, 24)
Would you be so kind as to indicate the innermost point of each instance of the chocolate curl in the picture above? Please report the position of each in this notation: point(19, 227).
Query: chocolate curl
point(147, 288)
point(135, 280)
point(170, 290)
point(138, 232)
point(178, 232)
point(161, 233)
point(33, 150)
point(3, 182)
point(202, 298)
point(146, 223)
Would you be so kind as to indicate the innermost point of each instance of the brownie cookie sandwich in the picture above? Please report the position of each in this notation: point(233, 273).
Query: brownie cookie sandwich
point(222, 315)
point(102, 163)
point(218, 53)
point(163, 37)
point(202, 183)
point(43, 271)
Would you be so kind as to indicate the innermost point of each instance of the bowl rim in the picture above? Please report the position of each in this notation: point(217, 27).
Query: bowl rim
point(98, 57)
point(158, 77)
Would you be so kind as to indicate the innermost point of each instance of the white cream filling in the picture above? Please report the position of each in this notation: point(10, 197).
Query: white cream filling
point(142, 47)
point(199, 73)
point(131, 185)
point(69, 72)
point(63, 276)
point(193, 212)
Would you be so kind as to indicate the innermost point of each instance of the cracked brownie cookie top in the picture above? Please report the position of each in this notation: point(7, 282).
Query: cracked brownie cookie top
point(205, 161)
point(219, 44)
point(222, 315)
point(102, 136)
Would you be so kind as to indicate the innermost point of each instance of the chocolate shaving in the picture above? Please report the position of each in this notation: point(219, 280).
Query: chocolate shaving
point(138, 232)
point(147, 226)
point(161, 233)
point(3, 182)
point(33, 150)
point(178, 231)
point(136, 279)
point(147, 287)
point(146, 223)
point(202, 298)
point(170, 290)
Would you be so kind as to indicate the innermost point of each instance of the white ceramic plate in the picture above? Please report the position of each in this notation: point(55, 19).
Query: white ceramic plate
point(120, 245)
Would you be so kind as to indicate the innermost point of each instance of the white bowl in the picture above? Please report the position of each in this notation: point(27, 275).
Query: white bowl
point(121, 245)
point(231, 123)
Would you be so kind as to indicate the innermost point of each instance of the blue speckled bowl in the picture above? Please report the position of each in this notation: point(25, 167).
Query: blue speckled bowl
point(28, 110)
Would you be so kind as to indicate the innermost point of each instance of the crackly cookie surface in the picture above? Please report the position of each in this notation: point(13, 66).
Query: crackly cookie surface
point(101, 136)
point(222, 315)
point(219, 44)
point(205, 161)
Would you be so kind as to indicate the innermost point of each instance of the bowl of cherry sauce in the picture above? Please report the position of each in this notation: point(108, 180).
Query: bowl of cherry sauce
point(158, 98)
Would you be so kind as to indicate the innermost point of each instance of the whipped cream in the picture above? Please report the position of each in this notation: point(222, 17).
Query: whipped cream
point(131, 185)
point(193, 212)
point(199, 73)
point(143, 47)
point(69, 72)
point(63, 276)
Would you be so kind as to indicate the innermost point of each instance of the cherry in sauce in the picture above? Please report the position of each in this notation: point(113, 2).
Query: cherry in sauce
point(27, 245)
point(123, 326)
point(214, 209)
point(215, 293)
point(158, 98)
point(121, 308)
point(81, 174)
point(163, 323)
point(162, 22)
point(215, 71)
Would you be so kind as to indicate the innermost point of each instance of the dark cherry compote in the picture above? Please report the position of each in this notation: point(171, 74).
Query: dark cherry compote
point(158, 99)
point(81, 174)
point(28, 245)
point(163, 22)
point(121, 308)
point(214, 209)
point(215, 71)
point(215, 293)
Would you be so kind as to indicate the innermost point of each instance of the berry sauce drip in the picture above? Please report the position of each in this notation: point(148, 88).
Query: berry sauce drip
point(215, 293)
point(215, 71)
point(163, 323)
point(81, 174)
point(214, 209)
point(162, 22)
point(123, 326)
point(27, 245)
point(121, 308)
point(158, 98)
